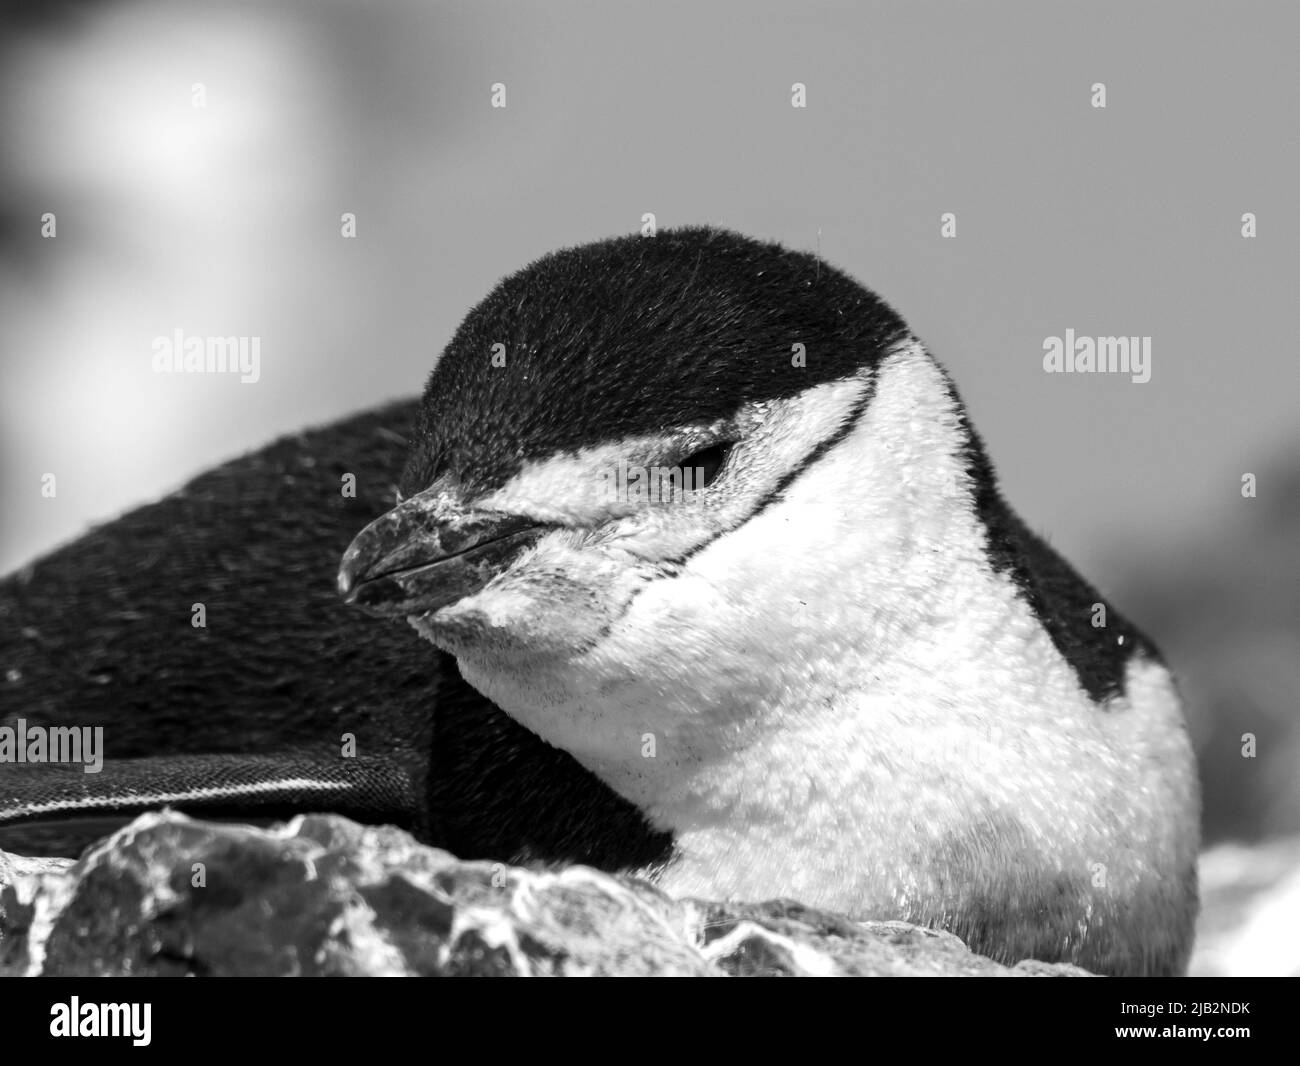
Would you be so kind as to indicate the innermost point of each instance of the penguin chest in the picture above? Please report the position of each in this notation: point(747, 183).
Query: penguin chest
point(984, 815)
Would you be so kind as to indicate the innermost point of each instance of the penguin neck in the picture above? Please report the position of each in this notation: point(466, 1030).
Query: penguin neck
point(763, 691)
point(864, 593)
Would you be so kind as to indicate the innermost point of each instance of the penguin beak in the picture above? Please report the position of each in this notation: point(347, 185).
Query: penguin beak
point(426, 553)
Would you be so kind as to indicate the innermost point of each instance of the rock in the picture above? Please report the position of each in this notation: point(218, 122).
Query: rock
point(32, 890)
point(325, 896)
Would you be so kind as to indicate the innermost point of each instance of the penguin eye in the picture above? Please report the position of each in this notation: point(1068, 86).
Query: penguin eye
point(710, 460)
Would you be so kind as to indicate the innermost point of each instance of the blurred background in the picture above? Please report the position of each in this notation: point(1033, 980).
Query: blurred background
point(198, 159)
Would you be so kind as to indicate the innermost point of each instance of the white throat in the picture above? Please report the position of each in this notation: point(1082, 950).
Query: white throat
point(838, 685)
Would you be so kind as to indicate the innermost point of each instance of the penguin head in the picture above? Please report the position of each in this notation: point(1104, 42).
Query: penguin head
point(601, 422)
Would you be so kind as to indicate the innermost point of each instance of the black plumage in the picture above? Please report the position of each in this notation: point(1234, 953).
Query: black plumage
point(636, 335)
point(99, 633)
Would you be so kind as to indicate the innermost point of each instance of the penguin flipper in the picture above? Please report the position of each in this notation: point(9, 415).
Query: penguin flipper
point(61, 810)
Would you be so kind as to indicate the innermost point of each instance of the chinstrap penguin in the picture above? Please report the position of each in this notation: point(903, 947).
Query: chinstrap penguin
point(844, 671)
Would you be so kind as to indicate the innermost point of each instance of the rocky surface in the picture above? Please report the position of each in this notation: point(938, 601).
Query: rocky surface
point(326, 896)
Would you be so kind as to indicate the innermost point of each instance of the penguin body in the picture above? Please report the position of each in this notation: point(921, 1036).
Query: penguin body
point(843, 671)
